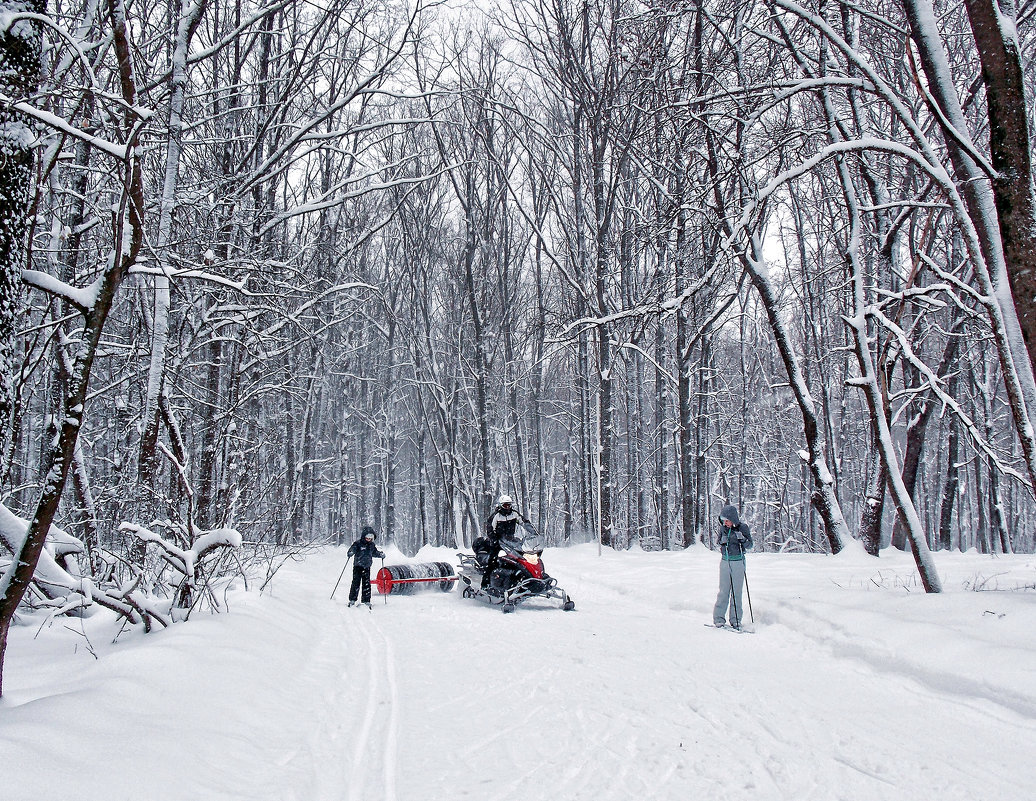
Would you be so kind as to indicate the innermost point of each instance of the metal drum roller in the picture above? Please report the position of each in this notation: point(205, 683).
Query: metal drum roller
point(408, 579)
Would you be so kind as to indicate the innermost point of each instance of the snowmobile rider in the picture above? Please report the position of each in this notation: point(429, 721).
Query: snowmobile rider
point(735, 538)
point(363, 552)
point(500, 526)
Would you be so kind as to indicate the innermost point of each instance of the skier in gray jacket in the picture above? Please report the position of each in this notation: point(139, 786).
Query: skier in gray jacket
point(735, 538)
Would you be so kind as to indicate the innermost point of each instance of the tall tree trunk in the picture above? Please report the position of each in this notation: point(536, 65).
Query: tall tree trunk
point(684, 387)
point(823, 498)
point(189, 16)
point(20, 63)
point(874, 502)
point(994, 25)
point(870, 383)
point(662, 437)
point(706, 385)
point(208, 424)
point(481, 370)
point(949, 489)
point(918, 425)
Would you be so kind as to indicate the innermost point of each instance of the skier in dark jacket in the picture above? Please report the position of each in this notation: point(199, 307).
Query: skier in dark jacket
point(501, 525)
point(363, 552)
point(735, 538)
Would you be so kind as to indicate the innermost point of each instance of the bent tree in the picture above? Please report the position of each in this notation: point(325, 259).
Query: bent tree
point(93, 302)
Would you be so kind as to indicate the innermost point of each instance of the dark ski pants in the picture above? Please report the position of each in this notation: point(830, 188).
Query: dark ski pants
point(491, 563)
point(361, 583)
point(731, 582)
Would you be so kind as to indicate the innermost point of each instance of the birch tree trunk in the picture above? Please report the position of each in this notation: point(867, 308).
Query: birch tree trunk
point(189, 16)
point(949, 487)
point(869, 382)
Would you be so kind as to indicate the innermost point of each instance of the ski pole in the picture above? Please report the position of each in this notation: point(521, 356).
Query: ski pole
point(340, 578)
point(748, 592)
point(733, 595)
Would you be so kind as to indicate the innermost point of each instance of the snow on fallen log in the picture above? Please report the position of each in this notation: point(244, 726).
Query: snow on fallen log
point(186, 560)
point(135, 597)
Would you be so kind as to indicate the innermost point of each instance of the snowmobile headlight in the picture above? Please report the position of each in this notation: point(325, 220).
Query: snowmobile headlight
point(533, 557)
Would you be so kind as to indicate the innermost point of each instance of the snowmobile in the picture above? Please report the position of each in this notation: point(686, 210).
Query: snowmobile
point(517, 576)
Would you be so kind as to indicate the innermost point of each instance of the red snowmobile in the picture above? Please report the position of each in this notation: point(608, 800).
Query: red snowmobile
point(517, 576)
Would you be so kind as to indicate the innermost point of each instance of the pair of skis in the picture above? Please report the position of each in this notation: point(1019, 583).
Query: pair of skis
point(730, 628)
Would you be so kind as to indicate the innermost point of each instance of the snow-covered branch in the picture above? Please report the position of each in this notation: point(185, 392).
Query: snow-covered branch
point(60, 124)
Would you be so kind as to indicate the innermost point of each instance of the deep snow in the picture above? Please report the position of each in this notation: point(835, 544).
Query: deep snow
point(856, 685)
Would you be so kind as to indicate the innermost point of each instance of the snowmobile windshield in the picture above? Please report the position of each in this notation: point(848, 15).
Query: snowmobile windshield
point(532, 543)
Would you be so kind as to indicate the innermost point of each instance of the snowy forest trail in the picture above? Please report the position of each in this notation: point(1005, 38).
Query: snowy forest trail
point(853, 687)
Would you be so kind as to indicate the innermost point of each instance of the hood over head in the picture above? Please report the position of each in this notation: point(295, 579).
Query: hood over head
point(730, 513)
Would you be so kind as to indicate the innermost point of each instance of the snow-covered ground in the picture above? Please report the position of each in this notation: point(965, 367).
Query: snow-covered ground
point(856, 686)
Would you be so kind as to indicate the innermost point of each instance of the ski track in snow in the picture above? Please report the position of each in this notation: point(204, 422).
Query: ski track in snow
point(295, 697)
point(350, 751)
point(375, 745)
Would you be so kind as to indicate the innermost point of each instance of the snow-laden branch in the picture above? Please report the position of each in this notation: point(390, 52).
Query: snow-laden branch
point(63, 125)
point(868, 143)
point(233, 36)
point(333, 199)
point(82, 298)
point(671, 306)
point(307, 127)
point(880, 86)
point(936, 385)
point(810, 85)
point(662, 371)
point(964, 141)
point(186, 560)
point(190, 272)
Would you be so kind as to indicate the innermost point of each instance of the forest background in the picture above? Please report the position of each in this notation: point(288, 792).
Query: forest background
point(275, 271)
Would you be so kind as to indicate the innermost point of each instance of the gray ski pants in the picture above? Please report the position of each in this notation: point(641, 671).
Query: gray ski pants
point(731, 573)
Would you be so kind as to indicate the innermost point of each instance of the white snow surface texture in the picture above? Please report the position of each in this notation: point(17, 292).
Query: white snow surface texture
point(856, 685)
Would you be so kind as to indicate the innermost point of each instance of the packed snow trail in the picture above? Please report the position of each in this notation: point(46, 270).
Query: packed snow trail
point(855, 686)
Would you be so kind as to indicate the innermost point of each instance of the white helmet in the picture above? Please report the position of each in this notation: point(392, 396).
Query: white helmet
point(505, 500)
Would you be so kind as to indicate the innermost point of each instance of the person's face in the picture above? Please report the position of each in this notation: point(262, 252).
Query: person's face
point(507, 507)
point(369, 538)
point(727, 524)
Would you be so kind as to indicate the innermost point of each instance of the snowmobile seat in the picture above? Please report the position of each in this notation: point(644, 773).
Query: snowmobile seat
point(482, 546)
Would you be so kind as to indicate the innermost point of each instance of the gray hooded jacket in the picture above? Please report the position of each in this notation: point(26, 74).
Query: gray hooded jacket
point(734, 541)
